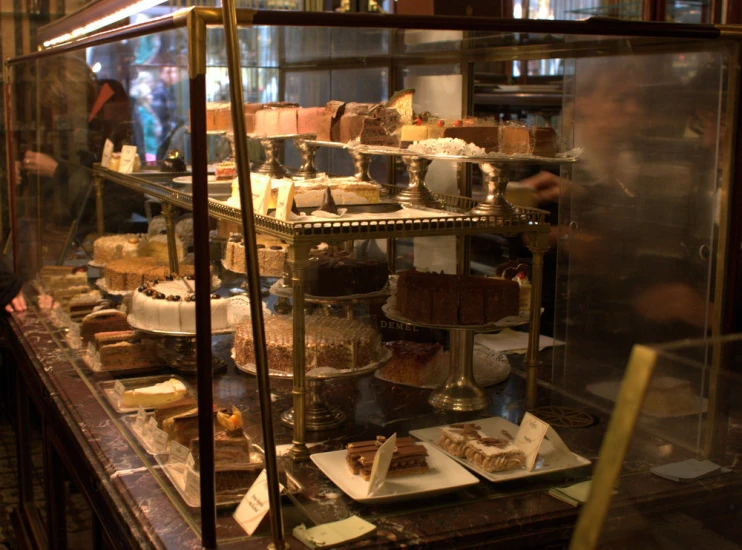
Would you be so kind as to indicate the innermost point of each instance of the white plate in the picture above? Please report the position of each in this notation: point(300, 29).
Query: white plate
point(547, 462)
point(443, 475)
point(187, 180)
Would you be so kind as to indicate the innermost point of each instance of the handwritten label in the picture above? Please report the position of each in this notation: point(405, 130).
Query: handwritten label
point(284, 202)
point(159, 440)
point(254, 505)
point(261, 197)
point(118, 388)
point(382, 461)
point(178, 453)
point(128, 152)
point(141, 420)
point(529, 437)
point(105, 158)
point(192, 484)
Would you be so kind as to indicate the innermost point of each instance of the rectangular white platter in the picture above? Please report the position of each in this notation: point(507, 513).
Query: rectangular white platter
point(442, 476)
point(547, 462)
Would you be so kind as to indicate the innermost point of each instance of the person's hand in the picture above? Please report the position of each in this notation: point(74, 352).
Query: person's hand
point(545, 185)
point(46, 301)
point(16, 304)
point(673, 302)
point(39, 164)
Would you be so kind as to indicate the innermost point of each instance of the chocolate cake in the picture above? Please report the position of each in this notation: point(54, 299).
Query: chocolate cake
point(440, 299)
point(413, 363)
point(340, 274)
point(105, 320)
point(486, 137)
point(409, 457)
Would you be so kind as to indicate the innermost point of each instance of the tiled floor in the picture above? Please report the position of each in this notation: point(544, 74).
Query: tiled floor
point(78, 513)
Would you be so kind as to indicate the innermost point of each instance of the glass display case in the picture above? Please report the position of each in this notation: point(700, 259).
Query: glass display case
point(187, 336)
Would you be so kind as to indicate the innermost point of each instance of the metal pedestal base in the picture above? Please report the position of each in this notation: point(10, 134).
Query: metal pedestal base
point(271, 166)
point(496, 177)
point(180, 354)
point(361, 164)
point(308, 152)
point(417, 192)
point(460, 392)
point(319, 414)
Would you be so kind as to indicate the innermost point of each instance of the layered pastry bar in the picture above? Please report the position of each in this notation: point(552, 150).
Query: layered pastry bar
point(105, 320)
point(409, 457)
point(455, 438)
point(495, 454)
point(124, 349)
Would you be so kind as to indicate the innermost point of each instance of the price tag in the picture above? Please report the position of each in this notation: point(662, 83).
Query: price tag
point(178, 453)
point(192, 485)
point(284, 201)
point(190, 462)
point(148, 429)
point(382, 460)
point(261, 196)
point(105, 159)
point(118, 388)
point(529, 438)
point(254, 505)
point(159, 440)
point(128, 152)
point(141, 420)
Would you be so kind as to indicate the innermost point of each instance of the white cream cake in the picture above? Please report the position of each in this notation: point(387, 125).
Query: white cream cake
point(156, 395)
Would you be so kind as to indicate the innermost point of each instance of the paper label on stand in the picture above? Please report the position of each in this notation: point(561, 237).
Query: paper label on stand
point(105, 158)
point(148, 429)
point(190, 462)
point(178, 453)
point(530, 435)
point(159, 440)
point(128, 152)
point(382, 460)
point(255, 504)
point(261, 197)
point(192, 484)
point(141, 420)
point(118, 388)
point(284, 202)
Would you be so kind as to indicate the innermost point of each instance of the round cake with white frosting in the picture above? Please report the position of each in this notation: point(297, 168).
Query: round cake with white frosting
point(170, 306)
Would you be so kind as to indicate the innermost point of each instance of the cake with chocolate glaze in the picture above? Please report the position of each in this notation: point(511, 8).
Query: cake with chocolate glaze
point(340, 274)
point(409, 457)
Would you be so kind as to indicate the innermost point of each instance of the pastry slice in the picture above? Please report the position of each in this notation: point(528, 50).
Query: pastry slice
point(455, 437)
point(494, 454)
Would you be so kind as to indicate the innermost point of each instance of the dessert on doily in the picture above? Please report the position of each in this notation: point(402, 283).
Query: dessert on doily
point(409, 457)
point(441, 299)
point(333, 342)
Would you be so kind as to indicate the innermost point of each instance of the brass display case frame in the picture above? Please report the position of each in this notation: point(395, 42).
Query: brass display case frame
point(653, 37)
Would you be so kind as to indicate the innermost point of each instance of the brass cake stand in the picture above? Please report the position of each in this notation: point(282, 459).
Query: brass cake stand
point(272, 147)
point(460, 392)
point(320, 415)
point(178, 349)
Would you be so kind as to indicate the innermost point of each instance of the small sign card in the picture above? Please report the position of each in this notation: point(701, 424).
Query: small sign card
point(159, 440)
point(382, 460)
point(149, 428)
point(531, 435)
point(284, 202)
point(178, 453)
point(118, 388)
point(254, 505)
point(141, 420)
point(192, 483)
point(128, 152)
point(105, 158)
point(261, 196)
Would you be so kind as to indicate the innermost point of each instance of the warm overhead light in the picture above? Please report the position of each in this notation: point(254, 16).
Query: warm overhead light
point(105, 21)
point(96, 67)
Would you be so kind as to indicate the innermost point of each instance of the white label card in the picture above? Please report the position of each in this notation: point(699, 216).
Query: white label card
point(178, 453)
point(159, 440)
point(530, 435)
point(151, 426)
point(284, 202)
point(382, 461)
point(105, 158)
point(119, 388)
point(128, 152)
point(261, 196)
point(190, 461)
point(141, 420)
point(192, 485)
point(254, 505)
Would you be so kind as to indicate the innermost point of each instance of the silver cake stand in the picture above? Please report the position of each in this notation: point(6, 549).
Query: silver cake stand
point(346, 302)
point(358, 153)
point(320, 415)
point(460, 392)
point(496, 171)
point(178, 349)
point(272, 147)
